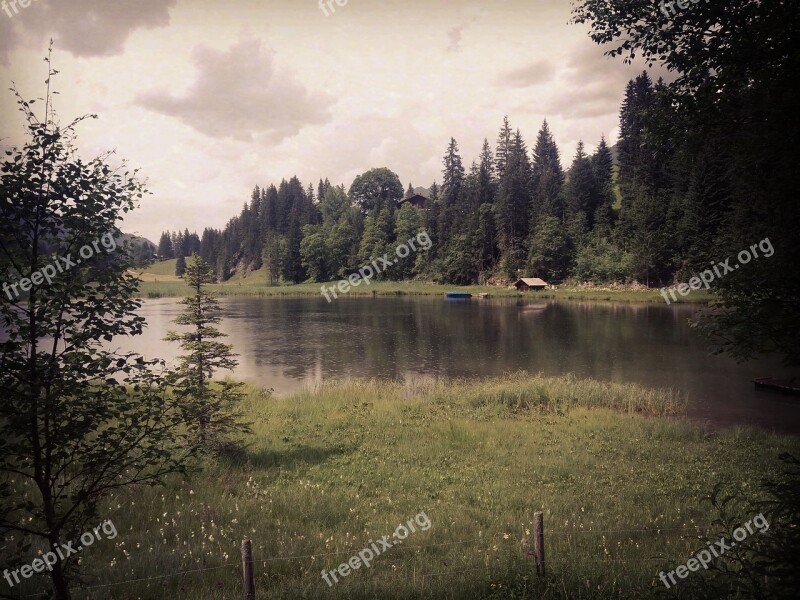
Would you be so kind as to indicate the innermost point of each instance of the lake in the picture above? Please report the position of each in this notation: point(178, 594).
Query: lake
point(289, 343)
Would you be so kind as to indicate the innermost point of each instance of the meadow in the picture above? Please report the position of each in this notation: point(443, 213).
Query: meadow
point(159, 281)
point(616, 470)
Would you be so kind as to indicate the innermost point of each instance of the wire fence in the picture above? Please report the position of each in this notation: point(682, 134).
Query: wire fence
point(497, 538)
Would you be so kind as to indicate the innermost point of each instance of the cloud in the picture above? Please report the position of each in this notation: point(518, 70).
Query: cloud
point(239, 94)
point(82, 27)
point(588, 63)
point(472, 14)
point(8, 38)
point(593, 85)
point(539, 71)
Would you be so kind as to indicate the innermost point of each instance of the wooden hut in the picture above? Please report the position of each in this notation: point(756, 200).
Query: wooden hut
point(530, 283)
point(417, 201)
point(418, 197)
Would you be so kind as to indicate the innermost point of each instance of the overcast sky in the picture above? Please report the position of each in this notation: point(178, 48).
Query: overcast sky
point(210, 98)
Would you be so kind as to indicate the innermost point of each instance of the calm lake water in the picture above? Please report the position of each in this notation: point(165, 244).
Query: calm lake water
point(287, 344)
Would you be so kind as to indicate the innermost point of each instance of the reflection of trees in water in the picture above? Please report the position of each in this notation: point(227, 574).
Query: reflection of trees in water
point(388, 337)
point(483, 338)
point(291, 343)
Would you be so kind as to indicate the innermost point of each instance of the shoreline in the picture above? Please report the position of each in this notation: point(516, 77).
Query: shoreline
point(244, 288)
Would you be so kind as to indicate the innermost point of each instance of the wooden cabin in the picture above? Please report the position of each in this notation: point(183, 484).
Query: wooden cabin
point(418, 197)
point(530, 283)
point(417, 201)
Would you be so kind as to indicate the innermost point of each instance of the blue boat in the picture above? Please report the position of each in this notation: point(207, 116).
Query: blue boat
point(458, 295)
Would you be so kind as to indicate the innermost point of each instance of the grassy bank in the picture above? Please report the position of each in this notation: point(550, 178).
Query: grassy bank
point(618, 477)
point(165, 286)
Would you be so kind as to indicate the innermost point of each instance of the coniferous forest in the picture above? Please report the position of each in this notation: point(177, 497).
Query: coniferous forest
point(649, 210)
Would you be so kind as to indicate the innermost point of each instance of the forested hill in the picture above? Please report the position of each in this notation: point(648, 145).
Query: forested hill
point(513, 210)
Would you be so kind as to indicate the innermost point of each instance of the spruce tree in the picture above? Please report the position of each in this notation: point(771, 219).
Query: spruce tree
point(180, 266)
point(579, 194)
point(487, 184)
point(165, 247)
point(504, 139)
point(211, 404)
point(547, 177)
point(602, 204)
point(451, 216)
point(512, 207)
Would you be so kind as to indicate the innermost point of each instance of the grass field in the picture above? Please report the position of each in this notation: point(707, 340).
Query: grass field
point(159, 281)
point(617, 473)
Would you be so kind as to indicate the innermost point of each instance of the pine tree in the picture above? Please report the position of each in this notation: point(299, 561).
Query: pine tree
point(487, 185)
point(165, 251)
point(486, 239)
point(451, 217)
point(273, 257)
point(637, 163)
point(732, 115)
point(323, 188)
point(210, 403)
point(643, 228)
point(180, 266)
point(547, 177)
point(512, 207)
point(209, 245)
point(177, 243)
point(503, 147)
point(579, 195)
point(602, 205)
point(310, 193)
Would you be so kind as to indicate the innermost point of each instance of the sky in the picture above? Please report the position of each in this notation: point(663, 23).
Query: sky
point(211, 98)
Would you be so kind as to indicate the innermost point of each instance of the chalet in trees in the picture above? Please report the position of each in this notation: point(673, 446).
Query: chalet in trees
point(419, 199)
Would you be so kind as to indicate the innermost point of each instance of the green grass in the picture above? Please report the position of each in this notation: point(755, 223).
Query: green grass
point(255, 287)
point(159, 281)
point(165, 267)
point(616, 471)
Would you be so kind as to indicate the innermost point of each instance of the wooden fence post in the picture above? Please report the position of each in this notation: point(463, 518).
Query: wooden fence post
point(247, 566)
point(538, 542)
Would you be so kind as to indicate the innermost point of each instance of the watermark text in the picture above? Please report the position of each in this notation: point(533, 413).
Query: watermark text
point(704, 557)
point(374, 549)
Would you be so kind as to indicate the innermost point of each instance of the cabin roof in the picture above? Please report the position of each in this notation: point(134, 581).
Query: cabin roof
point(531, 281)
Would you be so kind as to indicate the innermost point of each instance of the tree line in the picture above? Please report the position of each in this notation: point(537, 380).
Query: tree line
point(650, 217)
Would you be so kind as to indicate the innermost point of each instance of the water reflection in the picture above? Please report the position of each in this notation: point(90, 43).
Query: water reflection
point(290, 343)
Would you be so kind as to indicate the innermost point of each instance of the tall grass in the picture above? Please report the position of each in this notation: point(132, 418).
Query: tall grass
point(331, 468)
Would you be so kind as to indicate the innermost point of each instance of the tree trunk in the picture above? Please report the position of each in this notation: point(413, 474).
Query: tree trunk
point(60, 581)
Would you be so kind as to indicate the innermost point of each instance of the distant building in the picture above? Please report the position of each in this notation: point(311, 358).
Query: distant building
point(419, 199)
point(530, 283)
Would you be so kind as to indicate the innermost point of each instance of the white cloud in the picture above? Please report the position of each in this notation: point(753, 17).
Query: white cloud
point(239, 94)
point(81, 27)
point(534, 73)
